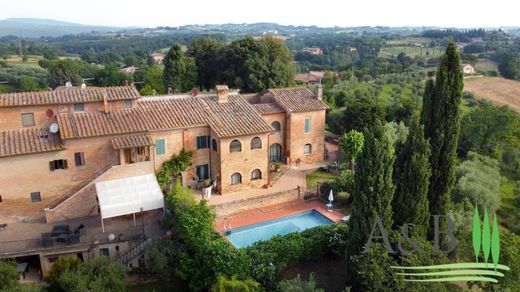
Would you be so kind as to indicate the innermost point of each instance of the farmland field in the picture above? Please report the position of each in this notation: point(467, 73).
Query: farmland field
point(411, 51)
point(486, 65)
point(497, 90)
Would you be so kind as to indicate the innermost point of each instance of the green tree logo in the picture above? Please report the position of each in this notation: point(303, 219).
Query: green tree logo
point(485, 239)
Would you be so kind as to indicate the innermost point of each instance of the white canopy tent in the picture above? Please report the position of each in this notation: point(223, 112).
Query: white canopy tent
point(128, 196)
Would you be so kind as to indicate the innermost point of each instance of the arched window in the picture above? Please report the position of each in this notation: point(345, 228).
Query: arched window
point(256, 143)
point(214, 144)
point(256, 174)
point(235, 146)
point(276, 126)
point(307, 149)
point(236, 178)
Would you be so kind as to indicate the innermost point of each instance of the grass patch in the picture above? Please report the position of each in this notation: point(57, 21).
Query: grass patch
point(411, 51)
point(317, 176)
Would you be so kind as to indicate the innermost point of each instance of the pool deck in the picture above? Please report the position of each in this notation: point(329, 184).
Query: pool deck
point(276, 211)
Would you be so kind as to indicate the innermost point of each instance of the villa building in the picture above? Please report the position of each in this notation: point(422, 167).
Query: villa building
point(57, 142)
point(58, 147)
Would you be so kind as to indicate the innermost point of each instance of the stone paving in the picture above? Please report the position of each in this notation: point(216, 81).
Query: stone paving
point(276, 211)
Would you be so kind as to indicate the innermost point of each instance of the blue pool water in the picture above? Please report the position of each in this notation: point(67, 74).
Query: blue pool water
point(246, 235)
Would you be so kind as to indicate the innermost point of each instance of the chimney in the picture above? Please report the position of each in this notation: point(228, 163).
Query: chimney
point(319, 91)
point(105, 101)
point(222, 93)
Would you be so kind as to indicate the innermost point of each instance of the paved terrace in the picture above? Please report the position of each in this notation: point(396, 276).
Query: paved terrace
point(19, 239)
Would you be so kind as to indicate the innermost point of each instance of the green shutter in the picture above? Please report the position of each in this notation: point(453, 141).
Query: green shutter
point(160, 148)
point(307, 125)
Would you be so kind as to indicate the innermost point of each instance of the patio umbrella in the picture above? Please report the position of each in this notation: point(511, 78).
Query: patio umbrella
point(331, 196)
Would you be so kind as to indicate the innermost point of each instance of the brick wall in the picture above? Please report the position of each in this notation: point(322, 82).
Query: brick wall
point(297, 138)
point(228, 208)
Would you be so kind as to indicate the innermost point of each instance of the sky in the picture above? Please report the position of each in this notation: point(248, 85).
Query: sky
point(444, 13)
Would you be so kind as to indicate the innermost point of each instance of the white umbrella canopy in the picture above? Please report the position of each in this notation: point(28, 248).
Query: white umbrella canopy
point(331, 196)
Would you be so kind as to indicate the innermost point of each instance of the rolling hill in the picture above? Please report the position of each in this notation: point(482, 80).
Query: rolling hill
point(35, 27)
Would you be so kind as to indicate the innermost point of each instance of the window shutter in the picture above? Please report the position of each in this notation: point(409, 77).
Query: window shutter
point(65, 165)
point(307, 125)
point(160, 147)
point(51, 165)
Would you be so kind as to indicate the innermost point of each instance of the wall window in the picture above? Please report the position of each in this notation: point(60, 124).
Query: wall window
point(307, 149)
point(1, 199)
point(104, 252)
point(236, 178)
point(214, 144)
point(79, 158)
point(160, 147)
point(58, 164)
point(256, 174)
point(36, 197)
point(235, 146)
point(28, 119)
point(256, 143)
point(79, 107)
point(202, 171)
point(307, 125)
point(128, 103)
point(202, 142)
point(276, 126)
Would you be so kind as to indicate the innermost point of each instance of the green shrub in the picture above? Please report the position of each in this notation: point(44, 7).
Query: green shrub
point(234, 285)
point(299, 285)
point(8, 275)
point(62, 265)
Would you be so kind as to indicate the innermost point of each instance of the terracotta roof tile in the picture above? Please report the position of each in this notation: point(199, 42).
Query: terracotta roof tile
point(90, 124)
point(297, 99)
point(236, 117)
point(131, 141)
point(64, 95)
point(268, 108)
point(27, 141)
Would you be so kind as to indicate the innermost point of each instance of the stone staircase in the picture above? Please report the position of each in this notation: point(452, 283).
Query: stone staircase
point(135, 252)
point(64, 208)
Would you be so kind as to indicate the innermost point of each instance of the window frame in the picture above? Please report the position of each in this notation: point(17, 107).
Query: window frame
point(256, 140)
point(239, 179)
point(160, 142)
point(33, 123)
point(202, 166)
point(36, 197)
point(307, 126)
point(253, 174)
point(57, 164)
point(277, 129)
point(127, 103)
point(214, 145)
point(80, 105)
point(202, 142)
point(310, 149)
point(79, 156)
point(234, 148)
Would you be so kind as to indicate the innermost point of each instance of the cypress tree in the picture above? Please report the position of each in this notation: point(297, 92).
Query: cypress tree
point(441, 118)
point(411, 177)
point(373, 187)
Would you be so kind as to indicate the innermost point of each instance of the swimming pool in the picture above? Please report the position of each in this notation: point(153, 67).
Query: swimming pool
point(246, 235)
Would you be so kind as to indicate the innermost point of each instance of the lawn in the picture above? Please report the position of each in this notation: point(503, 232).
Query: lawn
point(317, 176)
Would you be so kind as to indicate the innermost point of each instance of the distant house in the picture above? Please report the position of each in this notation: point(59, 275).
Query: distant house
point(313, 51)
point(311, 77)
point(351, 49)
point(467, 69)
point(157, 57)
point(129, 69)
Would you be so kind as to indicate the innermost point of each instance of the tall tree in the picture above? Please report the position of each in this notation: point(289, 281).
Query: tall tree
point(205, 51)
point(180, 72)
point(441, 118)
point(411, 177)
point(373, 187)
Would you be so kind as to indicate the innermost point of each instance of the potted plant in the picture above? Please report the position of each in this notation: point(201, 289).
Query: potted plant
point(277, 166)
